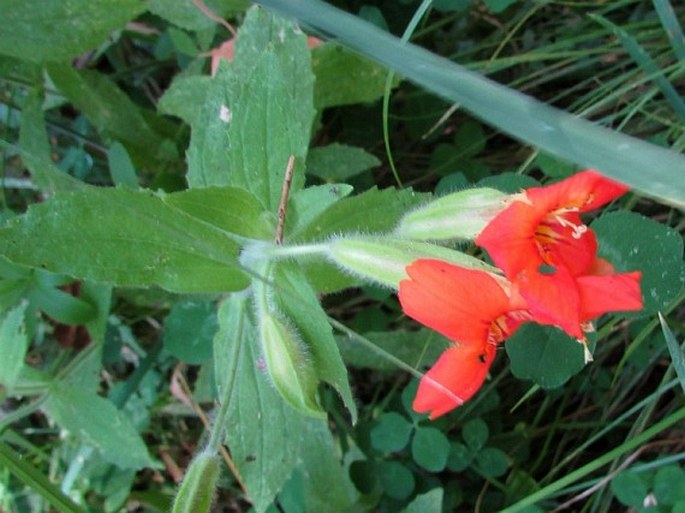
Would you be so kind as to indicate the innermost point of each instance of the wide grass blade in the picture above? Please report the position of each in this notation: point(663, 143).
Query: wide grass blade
point(677, 356)
point(672, 27)
point(35, 479)
point(655, 171)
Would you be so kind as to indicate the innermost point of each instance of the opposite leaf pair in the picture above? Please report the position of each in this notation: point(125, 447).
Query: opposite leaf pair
point(552, 276)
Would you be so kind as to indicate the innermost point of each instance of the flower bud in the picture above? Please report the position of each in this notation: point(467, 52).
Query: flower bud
point(197, 489)
point(289, 365)
point(460, 215)
point(384, 259)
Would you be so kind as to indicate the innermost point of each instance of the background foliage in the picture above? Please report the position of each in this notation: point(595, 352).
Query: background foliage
point(138, 272)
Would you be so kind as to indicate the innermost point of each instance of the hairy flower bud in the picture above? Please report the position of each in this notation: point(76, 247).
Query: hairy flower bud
point(384, 259)
point(460, 215)
point(288, 364)
point(197, 489)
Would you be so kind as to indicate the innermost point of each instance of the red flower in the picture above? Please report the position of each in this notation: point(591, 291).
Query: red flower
point(476, 309)
point(542, 245)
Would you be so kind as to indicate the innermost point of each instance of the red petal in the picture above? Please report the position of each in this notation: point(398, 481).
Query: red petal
point(454, 379)
point(609, 293)
point(552, 299)
point(575, 251)
point(457, 302)
point(510, 238)
point(585, 191)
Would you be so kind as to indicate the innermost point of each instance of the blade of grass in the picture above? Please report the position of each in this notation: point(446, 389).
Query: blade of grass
point(597, 463)
point(676, 351)
point(425, 5)
point(674, 31)
point(34, 479)
point(647, 65)
point(655, 171)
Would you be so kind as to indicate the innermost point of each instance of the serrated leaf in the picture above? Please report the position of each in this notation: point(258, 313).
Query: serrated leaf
point(344, 78)
point(13, 346)
point(305, 205)
point(183, 97)
point(255, 113)
point(544, 354)
point(189, 330)
point(97, 422)
point(228, 208)
point(60, 29)
point(632, 242)
point(112, 113)
point(373, 211)
point(326, 481)
point(262, 431)
point(430, 448)
point(298, 300)
point(123, 237)
point(338, 162)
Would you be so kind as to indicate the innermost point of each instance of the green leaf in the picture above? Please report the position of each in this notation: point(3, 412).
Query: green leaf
point(430, 448)
point(429, 502)
point(255, 112)
point(396, 479)
point(544, 354)
point(338, 162)
point(669, 484)
point(304, 206)
point(189, 330)
point(553, 166)
point(36, 150)
point(475, 433)
point(469, 140)
point(228, 208)
point(112, 113)
point(97, 422)
point(629, 488)
point(120, 166)
point(497, 6)
point(298, 300)
point(344, 77)
point(272, 109)
point(262, 431)
point(13, 346)
point(632, 242)
point(391, 432)
point(123, 237)
point(412, 347)
point(182, 99)
point(326, 481)
point(197, 489)
point(373, 211)
point(61, 29)
point(62, 306)
point(492, 462)
point(649, 168)
point(459, 457)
